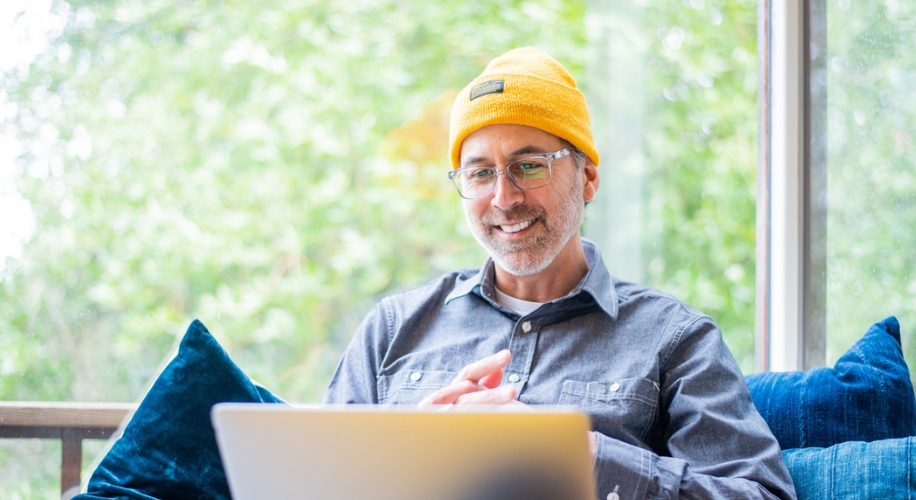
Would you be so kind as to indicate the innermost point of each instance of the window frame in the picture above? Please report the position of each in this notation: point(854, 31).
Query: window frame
point(790, 323)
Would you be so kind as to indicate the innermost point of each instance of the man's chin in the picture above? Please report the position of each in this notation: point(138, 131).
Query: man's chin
point(519, 266)
point(518, 258)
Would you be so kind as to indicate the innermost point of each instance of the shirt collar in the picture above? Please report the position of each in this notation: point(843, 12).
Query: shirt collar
point(464, 286)
point(597, 282)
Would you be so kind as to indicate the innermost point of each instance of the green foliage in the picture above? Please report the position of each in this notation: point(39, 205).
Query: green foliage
point(871, 266)
point(701, 144)
point(695, 166)
point(238, 162)
point(222, 161)
point(23, 459)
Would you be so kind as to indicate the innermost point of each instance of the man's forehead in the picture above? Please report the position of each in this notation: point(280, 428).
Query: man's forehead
point(527, 150)
point(509, 141)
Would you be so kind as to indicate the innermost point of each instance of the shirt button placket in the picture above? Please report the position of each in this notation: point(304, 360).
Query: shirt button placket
point(525, 340)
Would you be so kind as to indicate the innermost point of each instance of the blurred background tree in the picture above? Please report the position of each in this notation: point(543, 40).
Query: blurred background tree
point(871, 181)
point(247, 164)
point(676, 108)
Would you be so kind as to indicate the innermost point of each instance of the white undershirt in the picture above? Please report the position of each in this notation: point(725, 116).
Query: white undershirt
point(523, 307)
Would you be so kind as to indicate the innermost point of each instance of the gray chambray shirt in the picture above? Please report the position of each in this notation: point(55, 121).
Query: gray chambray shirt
point(673, 413)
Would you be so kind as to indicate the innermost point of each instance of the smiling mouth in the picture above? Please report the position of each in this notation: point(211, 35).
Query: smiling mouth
point(517, 227)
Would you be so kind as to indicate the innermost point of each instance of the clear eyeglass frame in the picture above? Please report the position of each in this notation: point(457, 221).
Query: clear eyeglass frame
point(487, 185)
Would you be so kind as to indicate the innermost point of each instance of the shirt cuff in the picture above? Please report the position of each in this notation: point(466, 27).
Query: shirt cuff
point(624, 471)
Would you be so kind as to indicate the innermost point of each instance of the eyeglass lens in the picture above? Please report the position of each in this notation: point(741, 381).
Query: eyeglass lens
point(526, 173)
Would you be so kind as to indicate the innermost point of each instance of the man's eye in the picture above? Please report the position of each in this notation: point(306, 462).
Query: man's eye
point(529, 167)
point(480, 174)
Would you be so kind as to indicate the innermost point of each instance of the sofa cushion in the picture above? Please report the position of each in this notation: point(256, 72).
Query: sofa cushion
point(855, 470)
point(168, 448)
point(866, 396)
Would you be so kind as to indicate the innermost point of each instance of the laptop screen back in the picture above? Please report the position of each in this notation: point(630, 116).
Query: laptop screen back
point(396, 453)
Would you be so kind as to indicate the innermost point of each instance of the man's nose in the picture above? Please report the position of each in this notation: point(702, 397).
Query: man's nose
point(505, 193)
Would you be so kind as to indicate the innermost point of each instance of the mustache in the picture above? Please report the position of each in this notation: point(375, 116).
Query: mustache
point(516, 213)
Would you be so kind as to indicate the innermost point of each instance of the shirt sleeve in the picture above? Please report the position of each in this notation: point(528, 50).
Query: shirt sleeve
point(715, 443)
point(354, 382)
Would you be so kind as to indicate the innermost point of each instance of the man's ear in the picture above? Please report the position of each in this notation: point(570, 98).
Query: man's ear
point(590, 180)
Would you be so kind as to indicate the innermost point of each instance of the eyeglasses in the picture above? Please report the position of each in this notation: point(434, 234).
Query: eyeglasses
point(530, 172)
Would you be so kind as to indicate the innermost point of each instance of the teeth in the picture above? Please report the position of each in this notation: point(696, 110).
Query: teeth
point(516, 228)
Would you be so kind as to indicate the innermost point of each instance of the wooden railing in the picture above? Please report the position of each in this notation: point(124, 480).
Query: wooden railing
point(69, 422)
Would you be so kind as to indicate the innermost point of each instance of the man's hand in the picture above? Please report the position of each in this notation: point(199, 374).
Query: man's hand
point(477, 383)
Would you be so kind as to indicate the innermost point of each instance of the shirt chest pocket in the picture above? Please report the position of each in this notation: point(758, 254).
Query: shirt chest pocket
point(624, 408)
point(410, 386)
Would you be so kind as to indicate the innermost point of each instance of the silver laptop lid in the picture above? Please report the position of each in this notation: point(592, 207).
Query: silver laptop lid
point(402, 453)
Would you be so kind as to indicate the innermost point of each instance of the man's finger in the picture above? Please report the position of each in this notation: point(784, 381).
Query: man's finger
point(481, 368)
point(492, 380)
point(450, 393)
point(498, 396)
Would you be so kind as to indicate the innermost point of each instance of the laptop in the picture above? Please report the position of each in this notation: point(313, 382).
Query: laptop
point(356, 452)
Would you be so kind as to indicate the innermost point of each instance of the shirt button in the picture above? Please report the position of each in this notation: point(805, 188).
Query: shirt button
point(415, 376)
point(615, 387)
point(526, 326)
point(514, 378)
point(613, 496)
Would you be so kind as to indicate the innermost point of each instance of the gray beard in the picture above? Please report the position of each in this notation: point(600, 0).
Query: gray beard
point(531, 257)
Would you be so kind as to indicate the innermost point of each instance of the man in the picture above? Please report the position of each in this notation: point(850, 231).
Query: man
point(543, 322)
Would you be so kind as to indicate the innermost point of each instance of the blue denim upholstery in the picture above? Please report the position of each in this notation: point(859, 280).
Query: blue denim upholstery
point(855, 470)
point(168, 449)
point(866, 396)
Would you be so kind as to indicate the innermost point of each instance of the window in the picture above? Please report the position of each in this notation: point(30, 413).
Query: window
point(871, 179)
point(274, 171)
point(672, 87)
point(271, 171)
point(840, 184)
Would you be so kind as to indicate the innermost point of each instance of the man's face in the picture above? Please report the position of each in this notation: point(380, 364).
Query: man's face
point(524, 230)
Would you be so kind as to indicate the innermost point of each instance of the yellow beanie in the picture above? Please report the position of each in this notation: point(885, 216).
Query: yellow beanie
point(523, 87)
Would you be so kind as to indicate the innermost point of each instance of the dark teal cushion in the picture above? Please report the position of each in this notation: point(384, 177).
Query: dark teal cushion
point(855, 470)
point(866, 396)
point(168, 449)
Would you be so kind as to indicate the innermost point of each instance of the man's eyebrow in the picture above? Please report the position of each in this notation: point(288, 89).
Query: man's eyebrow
point(473, 161)
point(526, 150)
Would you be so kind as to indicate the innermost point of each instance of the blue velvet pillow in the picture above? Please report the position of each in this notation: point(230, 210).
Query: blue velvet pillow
point(855, 470)
point(866, 396)
point(168, 449)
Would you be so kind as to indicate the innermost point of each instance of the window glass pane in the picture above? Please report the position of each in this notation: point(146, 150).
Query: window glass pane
point(871, 190)
point(273, 168)
point(672, 85)
point(262, 167)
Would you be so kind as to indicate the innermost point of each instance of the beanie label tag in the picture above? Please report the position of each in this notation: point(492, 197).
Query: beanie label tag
point(490, 87)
